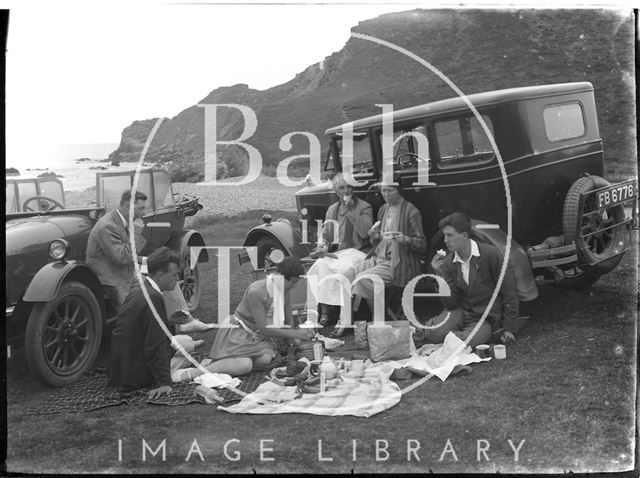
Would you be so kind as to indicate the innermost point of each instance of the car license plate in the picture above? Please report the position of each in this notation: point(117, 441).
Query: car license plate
point(616, 194)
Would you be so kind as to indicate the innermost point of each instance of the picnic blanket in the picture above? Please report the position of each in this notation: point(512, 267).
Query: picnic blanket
point(361, 394)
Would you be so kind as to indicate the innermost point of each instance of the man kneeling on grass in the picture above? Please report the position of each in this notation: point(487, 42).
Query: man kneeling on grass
point(472, 270)
point(141, 353)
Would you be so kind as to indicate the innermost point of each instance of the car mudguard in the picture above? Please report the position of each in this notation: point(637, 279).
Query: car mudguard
point(45, 284)
point(281, 231)
point(182, 241)
point(527, 288)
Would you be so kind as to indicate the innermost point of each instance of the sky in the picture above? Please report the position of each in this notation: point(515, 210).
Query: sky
point(80, 72)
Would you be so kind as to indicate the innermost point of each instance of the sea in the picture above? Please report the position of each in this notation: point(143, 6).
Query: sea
point(75, 175)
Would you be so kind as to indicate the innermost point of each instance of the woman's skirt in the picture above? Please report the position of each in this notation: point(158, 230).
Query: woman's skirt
point(240, 341)
point(329, 292)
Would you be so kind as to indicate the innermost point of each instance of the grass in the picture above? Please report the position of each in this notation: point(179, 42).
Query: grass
point(567, 388)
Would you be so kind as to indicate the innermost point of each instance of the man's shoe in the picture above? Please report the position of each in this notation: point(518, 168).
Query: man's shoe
point(324, 320)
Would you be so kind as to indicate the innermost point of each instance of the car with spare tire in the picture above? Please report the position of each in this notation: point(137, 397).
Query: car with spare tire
point(536, 149)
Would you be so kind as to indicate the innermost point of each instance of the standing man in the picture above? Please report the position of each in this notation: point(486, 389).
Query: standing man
point(108, 249)
point(472, 271)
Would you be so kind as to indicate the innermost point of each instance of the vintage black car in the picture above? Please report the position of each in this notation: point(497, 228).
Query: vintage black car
point(569, 224)
point(55, 305)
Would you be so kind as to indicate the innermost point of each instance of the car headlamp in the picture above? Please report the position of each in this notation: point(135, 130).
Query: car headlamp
point(58, 249)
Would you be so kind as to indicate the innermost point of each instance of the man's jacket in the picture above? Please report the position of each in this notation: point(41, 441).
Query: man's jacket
point(484, 272)
point(109, 252)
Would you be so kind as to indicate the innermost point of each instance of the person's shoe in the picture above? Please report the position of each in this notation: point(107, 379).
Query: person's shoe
point(324, 320)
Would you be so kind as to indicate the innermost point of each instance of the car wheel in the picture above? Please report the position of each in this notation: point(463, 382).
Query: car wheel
point(191, 286)
point(270, 252)
point(62, 336)
point(603, 240)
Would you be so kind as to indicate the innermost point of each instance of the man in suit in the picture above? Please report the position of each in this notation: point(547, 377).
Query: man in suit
point(140, 350)
point(108, 248)
point(472, 270)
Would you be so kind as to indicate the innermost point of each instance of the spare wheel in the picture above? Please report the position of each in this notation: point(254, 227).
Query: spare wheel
point(599, 240)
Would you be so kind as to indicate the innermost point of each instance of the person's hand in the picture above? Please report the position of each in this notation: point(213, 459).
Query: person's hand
point(160, 391)
point(320, 251)
point(507, 337)
point(138, 224)
point(437, 263)
point(179, 317)
point(401, 238)
point(305, 334)
point(375, 230)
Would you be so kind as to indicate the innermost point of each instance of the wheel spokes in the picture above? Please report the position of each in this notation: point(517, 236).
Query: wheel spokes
point(63, 346)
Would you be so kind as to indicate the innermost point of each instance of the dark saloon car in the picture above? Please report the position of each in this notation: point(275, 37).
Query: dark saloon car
point(569, 224)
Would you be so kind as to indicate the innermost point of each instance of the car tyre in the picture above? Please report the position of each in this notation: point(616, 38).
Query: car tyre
point(191, 285)
point(601, 246)
point(63, 335)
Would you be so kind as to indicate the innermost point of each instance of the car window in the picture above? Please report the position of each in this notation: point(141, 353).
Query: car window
point(10, 203)
point(53, 190)
point(463, 142)
point(563, 121)
point(164, 193)
point(408, 145)
point(330, 161)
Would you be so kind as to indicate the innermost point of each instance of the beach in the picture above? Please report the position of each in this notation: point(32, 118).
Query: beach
point(263, 193)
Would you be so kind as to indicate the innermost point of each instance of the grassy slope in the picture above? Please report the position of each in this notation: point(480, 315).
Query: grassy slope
point(567, 388)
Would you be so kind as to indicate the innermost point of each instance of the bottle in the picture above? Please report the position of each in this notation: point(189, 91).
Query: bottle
point(318, 350)
point(328, 368)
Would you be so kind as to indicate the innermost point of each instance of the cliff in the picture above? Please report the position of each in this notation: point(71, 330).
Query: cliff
point(477, 50)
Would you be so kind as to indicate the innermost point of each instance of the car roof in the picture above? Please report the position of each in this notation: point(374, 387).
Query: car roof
point(478, 100)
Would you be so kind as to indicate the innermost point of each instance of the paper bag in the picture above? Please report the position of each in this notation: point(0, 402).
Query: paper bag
point(389, 342)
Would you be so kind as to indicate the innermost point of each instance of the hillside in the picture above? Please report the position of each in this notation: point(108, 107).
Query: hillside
point(477, 50)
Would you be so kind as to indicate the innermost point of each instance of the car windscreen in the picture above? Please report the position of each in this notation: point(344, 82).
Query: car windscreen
point(163, 190)
point(10, 204)
point(112, 188)
point(26, 190)
point(362, 157)
point(53, 190)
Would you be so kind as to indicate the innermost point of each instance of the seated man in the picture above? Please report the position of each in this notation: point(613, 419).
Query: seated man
point(141, 352)
point(472, 271)
point(354, 217)
point(109, 250)
point(399, 243)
